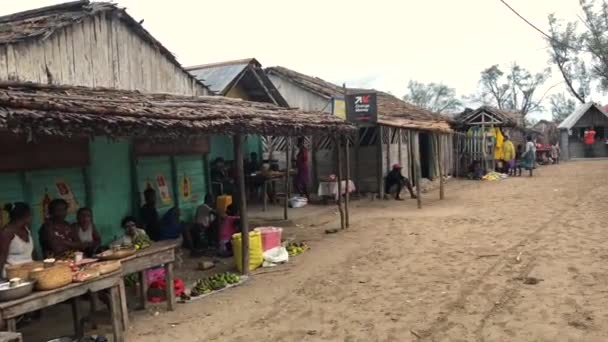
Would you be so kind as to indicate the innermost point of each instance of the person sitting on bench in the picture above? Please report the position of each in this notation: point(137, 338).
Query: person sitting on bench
point(395, 178)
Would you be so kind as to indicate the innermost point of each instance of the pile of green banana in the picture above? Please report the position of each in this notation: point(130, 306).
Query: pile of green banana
point(213, 283)
point(141, 241)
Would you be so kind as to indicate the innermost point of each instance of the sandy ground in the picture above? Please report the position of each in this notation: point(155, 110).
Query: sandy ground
point(524, 259)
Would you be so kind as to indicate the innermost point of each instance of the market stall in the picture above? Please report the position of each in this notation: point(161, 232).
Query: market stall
point(54, 284)
point(33, 110)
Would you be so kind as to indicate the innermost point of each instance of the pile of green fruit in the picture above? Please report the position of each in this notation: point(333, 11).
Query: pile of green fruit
point(294, 248)
point(141, 241)
point(215, 282)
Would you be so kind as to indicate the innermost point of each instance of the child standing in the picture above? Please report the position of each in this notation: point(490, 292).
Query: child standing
point(229, 226)
point(518, 161)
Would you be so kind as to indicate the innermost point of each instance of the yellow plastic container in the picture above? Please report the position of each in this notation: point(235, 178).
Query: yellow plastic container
point(222, 203)
point(255, 250)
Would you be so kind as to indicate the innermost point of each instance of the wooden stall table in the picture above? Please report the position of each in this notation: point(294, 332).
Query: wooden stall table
point(9, 311)
point(329, 188)
point(159, 253)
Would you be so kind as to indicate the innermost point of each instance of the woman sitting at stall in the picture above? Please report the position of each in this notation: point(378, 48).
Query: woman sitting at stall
point(132, 232)
point(16, 245)
point(86, 232)
point(57, 237)
point(171, 227)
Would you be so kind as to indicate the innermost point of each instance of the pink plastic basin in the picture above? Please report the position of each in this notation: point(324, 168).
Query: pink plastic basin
point(271, 237)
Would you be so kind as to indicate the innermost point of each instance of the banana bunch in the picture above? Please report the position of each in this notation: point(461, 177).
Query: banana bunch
point(296, 248)
point(215, 282)
point(141, 241)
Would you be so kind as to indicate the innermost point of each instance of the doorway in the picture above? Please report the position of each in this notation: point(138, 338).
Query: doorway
point(425, 155)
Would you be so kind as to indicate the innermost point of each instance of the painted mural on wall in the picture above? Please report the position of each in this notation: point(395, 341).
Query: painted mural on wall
point(65, 192)
point(163, 189)
point(186, 188)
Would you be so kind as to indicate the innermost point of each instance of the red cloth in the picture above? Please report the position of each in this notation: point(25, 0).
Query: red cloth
point(589, 137)
point(178, 285)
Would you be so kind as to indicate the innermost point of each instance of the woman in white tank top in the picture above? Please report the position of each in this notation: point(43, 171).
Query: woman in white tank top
point(16, 244)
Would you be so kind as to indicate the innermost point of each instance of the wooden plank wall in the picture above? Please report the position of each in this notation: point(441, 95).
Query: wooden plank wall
point(97, 52)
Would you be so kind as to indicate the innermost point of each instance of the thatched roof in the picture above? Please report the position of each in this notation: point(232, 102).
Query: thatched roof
point(70, 110)
point(42, 23)
point(392, 111)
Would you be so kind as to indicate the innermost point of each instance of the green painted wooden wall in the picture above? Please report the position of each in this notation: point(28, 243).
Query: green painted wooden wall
point(111, 194)
point(221, 146)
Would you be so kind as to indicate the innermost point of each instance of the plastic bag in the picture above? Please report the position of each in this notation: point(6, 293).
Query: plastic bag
point(275, 255)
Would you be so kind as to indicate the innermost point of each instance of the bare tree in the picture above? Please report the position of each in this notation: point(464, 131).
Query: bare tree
point(566, 53)
point(561, 107)
point(516, 90)
point(435, 97)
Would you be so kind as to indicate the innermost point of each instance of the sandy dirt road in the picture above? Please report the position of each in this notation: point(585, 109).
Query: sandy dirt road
point(458, 270)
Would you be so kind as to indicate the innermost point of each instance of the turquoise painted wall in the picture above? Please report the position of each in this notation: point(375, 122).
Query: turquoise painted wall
point(221, 146)
point(111, 185)
point(112, 194)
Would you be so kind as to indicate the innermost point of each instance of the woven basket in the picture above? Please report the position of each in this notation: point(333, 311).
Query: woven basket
point(21, 271)
point(116, 255)
point(52, 277)
point(107, 266)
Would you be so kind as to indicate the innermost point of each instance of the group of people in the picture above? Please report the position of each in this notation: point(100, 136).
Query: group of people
point(516, 159)
point(58, 237)
point(223, 179)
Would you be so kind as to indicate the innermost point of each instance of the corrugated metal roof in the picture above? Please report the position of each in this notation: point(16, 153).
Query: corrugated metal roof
point(573, 118)
point(219, 76)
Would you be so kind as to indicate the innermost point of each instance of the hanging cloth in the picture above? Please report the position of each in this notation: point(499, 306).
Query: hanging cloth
point(498, 149)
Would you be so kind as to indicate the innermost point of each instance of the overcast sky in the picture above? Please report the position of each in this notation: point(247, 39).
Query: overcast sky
point(380, 44)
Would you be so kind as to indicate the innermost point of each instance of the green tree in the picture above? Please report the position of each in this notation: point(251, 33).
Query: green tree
point(561, 107)
point(515, 90)
point(435, 97)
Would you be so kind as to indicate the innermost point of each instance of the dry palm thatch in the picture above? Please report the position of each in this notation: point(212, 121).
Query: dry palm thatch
point(392, 111)
point(71, 110)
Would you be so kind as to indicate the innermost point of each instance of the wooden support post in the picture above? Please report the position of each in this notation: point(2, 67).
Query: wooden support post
point(116, 314)
point(441, 167)
point(379, 173)
point(143, 283)
point(169, 288)
point(287, 174)
point(77, 317)
point(314, 161)
point(357, 159)
point(400, 141)
point(347, 192)
point(242, 202)
point(388, 149)
point(417, 169)
point(123, 304)
point(342, 218)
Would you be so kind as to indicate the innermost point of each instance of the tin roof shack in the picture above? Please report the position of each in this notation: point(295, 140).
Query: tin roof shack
point(76, 113)
point(572, 131)
point(244, 79)
point(397, 123)
point(95, 44)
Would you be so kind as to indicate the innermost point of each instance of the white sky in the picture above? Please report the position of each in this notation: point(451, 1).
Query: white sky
point(380, 43)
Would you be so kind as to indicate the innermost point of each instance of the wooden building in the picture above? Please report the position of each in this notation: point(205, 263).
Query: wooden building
point(477, 134)
point(93, 44)
point(400, 129)
point(244, 79)
point(572, 130)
